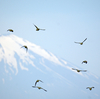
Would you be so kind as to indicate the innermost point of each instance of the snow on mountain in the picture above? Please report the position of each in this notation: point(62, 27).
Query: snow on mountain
point(12, 44)
point(39, 63)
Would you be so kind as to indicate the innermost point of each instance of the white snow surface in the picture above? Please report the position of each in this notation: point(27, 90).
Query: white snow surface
point(12, 44)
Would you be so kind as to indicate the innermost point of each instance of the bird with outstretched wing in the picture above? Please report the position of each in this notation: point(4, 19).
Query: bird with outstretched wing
point(25, 47)
point(37, 29)
point(81, 43)
point(79, 70)
point(90, 88)
point(84, 62)
point(10, 30)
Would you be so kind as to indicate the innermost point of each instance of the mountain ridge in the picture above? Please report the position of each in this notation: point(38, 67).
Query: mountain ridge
point(39, 63)
point(47, 55)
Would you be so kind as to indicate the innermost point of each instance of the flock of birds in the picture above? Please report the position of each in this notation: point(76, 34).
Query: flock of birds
point(81, 43)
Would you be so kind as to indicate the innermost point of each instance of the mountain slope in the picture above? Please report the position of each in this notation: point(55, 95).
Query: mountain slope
point(19, 70)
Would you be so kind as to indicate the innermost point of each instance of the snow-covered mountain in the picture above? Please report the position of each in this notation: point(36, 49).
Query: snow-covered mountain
point(19, 71)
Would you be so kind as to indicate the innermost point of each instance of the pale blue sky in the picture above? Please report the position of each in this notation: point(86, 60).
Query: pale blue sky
point(65, 21)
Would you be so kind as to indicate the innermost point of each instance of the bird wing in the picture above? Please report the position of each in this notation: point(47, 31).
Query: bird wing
point(36, 26)
point(41, 81)
point(85, 40)
point(42, 29)
point(35, 83)
point(44, 89)
point(10, 30)
point(92, 87)
point(23, 46)
point(74, 69)
point(77, 42)
point(83, 70)
point(87, 87)
point(83, 62)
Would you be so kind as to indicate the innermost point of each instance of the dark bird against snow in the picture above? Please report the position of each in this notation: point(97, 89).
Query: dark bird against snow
point(90, 88)
point(37, 29)
point(39, 88)
point(84, 62)
point(10, 30)
point(81, 43)
point(38, 81)
point(79, 70)
point(25, 47)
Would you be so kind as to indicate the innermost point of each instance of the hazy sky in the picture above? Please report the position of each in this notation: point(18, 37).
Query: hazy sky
point(65, 21)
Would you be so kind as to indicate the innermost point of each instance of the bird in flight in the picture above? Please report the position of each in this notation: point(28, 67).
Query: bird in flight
point(25, 47)
point(84, 62)
point(10, 30)
point(37, 29)
point(39, 88)
point(90, 88)
point(38, 81)
point(81, 43)
point(79, 70)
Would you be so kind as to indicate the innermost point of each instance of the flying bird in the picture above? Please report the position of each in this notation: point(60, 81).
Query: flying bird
point(38, 81)
point(37, 29)
point(39, 88)
point(79, 70)
point(25, 47)
point(90, 88)
point(84, 62)
point(10, 30)
point(81, 43)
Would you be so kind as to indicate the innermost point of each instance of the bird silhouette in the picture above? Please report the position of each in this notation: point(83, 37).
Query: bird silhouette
point(39, 88)
point(81, 43)
point(79, 70)
point(25, 47)
point(10, 30)
point(37, 29)
point(90, 88)
point(38, 81)
point(84, 62)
